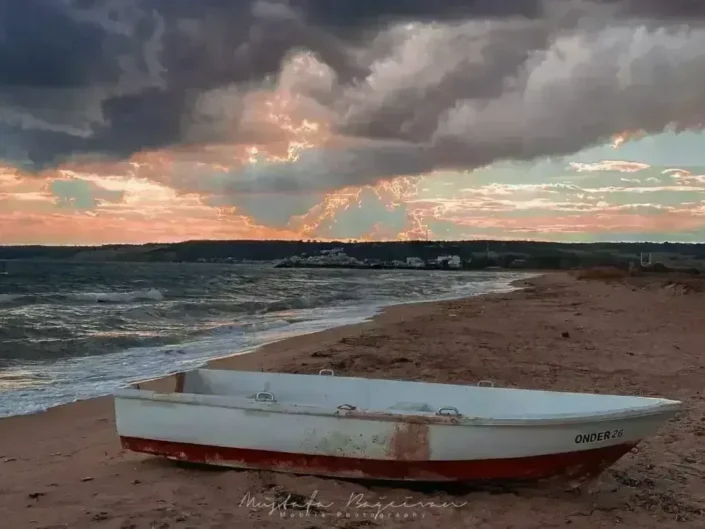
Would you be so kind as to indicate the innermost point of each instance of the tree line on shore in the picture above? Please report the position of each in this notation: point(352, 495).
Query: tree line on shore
point(474, 254)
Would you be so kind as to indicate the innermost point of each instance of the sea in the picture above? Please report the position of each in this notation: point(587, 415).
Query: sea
point(71, 331)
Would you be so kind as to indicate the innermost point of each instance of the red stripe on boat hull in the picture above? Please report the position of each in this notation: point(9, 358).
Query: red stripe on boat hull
point(576, 466)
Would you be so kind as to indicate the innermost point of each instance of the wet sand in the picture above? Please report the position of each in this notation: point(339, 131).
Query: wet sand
point(65, 467)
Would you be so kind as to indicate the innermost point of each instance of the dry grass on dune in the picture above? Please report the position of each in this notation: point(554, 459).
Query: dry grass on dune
point(601, 273)
point(673, 282)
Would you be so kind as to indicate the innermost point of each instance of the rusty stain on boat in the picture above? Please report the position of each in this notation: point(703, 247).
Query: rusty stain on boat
point(410, 442)
point(180, 381)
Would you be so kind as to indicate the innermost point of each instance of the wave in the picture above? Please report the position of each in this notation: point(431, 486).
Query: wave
point(193, 307)
point(245, 328)
point(235, 306)
point(151, 294)
point(181, 303)
point(37, 349)
point(9, 298)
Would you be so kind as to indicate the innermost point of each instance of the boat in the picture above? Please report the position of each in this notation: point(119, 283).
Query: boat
point(360, 428)
point(3, 268)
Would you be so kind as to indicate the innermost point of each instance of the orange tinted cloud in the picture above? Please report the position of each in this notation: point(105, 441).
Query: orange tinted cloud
point(154, 213)
point(606, 222)
point(628, 135)
point(163, 197)
point(610, 165)
point(90, 229)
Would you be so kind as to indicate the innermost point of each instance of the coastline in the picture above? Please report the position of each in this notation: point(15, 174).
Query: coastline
point(123, 366)
point(270, 356)
point(258, 357)
point(557, 333)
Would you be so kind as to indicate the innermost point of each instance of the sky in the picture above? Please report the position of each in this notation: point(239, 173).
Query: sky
point(133, 121)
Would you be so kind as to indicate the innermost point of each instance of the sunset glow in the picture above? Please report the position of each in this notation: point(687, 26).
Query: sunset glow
point(170, 196)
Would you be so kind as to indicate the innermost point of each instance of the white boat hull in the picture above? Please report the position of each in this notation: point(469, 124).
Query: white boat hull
point(353, 443)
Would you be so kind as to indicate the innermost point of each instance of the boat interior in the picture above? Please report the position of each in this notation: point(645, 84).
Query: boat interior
point(328, 391)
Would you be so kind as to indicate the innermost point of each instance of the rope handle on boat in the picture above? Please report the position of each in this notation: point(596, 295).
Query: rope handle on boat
point(265, 396)
point(448, 410)
point(327, 371)
point(485, 384)
point(348, 407)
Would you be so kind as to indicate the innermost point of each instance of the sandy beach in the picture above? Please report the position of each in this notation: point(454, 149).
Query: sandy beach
point(65, 467)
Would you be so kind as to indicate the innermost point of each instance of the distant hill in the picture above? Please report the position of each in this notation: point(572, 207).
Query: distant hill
point(542, 255)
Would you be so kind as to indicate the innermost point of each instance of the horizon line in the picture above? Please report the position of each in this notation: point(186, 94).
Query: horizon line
point(350, 242)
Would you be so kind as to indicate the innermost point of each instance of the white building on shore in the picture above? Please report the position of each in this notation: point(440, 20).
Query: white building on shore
point(415, 262)
point(452, 260)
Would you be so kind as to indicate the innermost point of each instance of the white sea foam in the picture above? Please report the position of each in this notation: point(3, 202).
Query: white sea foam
point(75, 379)
point(151, 294)
point(34, 387)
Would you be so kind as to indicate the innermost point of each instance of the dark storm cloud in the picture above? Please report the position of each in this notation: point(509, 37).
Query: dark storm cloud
point(679, 9)
point(355, 14)
point(107, 78)
point(117, 76)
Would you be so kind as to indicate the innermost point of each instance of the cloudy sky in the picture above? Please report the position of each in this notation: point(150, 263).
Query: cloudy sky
point(166, 120)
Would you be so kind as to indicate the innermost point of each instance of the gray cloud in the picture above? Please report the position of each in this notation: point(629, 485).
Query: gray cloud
point(463, 95)
point(414, 85)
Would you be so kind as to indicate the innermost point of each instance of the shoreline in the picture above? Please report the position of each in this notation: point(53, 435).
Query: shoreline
point(384, 315)
point(65, 467)
point(374, 313)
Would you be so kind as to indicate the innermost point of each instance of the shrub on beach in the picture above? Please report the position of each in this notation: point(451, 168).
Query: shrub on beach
point(601, 273)
point(684, 286)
